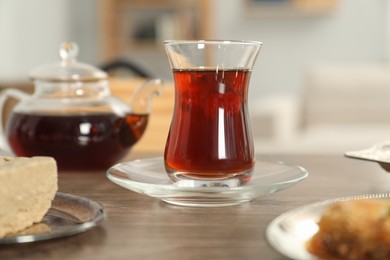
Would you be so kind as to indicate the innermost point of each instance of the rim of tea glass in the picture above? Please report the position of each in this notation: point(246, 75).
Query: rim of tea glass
point(213, 42)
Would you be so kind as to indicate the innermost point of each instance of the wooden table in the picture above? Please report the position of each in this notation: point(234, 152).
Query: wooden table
point(140, 227)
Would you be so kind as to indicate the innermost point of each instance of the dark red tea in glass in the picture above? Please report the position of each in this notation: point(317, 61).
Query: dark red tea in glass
point(210, 136)
point(211, 125)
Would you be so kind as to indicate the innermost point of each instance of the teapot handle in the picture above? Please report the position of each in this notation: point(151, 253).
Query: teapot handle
point(4, 95)
point(141, 100)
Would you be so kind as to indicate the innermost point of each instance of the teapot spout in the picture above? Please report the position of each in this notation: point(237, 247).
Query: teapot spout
point(141, 101)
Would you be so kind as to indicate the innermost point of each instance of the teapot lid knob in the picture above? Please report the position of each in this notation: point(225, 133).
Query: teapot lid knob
point(69, 50)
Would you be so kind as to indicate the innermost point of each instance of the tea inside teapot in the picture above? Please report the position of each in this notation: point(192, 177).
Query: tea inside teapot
point(72, 116)
point(91, 141)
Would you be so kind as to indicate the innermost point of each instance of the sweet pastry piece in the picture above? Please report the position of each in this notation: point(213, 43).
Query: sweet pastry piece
point(27, 188)
point(356, 229)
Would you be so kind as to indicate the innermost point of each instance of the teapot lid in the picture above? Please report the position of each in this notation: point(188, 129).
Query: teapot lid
point(68, 69)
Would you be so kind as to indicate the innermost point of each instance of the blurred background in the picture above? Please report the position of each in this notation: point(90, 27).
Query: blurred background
point(321, 83)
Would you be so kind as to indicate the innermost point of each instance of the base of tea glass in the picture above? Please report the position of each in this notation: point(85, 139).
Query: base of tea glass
point(192, 179)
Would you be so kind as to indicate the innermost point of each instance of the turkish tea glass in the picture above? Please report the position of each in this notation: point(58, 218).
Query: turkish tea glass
point(210, 137)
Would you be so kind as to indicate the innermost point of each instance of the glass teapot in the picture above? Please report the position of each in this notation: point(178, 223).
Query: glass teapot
point(72, 116)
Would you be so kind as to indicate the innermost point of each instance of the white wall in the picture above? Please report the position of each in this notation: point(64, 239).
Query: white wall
point(31, 32)
point(354, 32)
point(28, 32)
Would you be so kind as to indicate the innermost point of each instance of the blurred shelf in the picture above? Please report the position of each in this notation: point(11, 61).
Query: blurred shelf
point(130, 26)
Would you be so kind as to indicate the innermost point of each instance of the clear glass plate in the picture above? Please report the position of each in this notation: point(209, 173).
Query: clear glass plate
point(68, 215)
point(148, 177)
point(289, 232)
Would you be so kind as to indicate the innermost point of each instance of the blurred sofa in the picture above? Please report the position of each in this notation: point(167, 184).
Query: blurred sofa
point(344, 107)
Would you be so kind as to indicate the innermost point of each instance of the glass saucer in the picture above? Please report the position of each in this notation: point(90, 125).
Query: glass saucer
point(148, 177)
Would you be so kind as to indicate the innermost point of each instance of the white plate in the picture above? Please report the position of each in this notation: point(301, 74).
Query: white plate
point(149, 177)
point(68, 215)
point(289, 232)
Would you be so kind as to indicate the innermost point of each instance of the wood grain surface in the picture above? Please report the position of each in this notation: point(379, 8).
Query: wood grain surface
point(139, 227)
